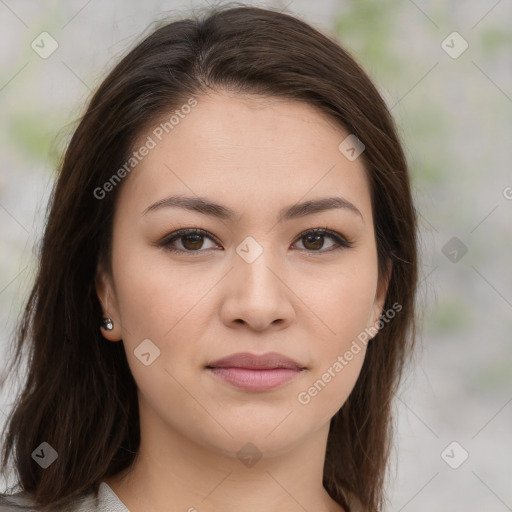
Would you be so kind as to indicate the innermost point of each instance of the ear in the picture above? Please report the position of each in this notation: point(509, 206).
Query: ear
point(380, 297)
point(105, 291)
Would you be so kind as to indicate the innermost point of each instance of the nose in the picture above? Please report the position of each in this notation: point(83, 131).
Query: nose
point(258, 295)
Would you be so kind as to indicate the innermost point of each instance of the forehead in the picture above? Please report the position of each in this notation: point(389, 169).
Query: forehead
point(246, 151)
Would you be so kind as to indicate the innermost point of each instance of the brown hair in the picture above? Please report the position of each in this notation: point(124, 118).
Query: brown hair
point(79, 395)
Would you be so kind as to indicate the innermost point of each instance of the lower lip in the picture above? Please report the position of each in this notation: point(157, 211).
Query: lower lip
point(255, 380)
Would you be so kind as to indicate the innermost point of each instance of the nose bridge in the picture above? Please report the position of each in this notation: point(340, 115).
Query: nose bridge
point(258, 295)
point(257, 267)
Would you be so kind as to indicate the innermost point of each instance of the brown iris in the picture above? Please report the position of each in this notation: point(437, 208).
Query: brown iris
point(317, 241)
point(196, 242)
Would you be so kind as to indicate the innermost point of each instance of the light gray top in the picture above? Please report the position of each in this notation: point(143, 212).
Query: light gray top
point(106, 501)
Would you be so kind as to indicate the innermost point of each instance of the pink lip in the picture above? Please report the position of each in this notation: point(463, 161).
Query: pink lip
point(253, 372)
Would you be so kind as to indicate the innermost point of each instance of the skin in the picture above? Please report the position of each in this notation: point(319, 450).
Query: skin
point(256, 156)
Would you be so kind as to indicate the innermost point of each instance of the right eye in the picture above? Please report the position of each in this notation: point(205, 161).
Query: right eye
point(191, 240)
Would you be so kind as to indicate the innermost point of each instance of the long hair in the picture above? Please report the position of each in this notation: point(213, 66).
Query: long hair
point(79, 395)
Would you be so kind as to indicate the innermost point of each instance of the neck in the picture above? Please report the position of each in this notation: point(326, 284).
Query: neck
point(171, 469)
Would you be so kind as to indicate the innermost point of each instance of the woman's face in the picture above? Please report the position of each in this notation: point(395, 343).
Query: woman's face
point(252, 281)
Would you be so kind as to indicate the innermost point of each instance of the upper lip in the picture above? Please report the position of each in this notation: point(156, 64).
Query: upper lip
point(270, 360)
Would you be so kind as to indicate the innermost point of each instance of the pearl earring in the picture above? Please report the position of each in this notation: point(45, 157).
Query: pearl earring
point(108, 324)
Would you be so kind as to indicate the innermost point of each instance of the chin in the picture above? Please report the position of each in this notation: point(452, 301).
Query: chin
point(268, 436)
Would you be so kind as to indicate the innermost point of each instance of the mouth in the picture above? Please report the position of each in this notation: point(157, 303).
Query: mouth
point(252, 372)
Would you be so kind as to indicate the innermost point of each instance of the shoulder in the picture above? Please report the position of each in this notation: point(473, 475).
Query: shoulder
point(19, 501)
point(104, 500)
point(24, 502)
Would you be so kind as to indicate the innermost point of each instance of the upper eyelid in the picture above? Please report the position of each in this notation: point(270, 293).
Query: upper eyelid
point(188, 231)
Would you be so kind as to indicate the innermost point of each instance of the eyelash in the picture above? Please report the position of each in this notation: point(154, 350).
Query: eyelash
point(341, 241)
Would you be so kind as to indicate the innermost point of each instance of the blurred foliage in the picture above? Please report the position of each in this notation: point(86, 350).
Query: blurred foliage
point(450, 315)
point(30, 137)
point(493, 38)
point(495, 375)
point(367, 30)
point(364, 30)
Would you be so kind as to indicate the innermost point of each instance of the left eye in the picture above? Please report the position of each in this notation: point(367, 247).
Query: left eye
point(192, 240)
point(315, 236)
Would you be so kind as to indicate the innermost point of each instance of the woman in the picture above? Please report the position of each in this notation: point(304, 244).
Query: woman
point(225, 298)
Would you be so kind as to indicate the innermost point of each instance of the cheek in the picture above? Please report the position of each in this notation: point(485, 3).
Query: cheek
point(167, 304)
point(328, 389)
point(341, 299)
point(161, 303)
point(156, 296)
point(343, 304)
point(338, 359)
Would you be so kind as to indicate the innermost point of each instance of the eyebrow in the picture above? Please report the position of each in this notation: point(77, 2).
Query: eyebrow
point(207, 207)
